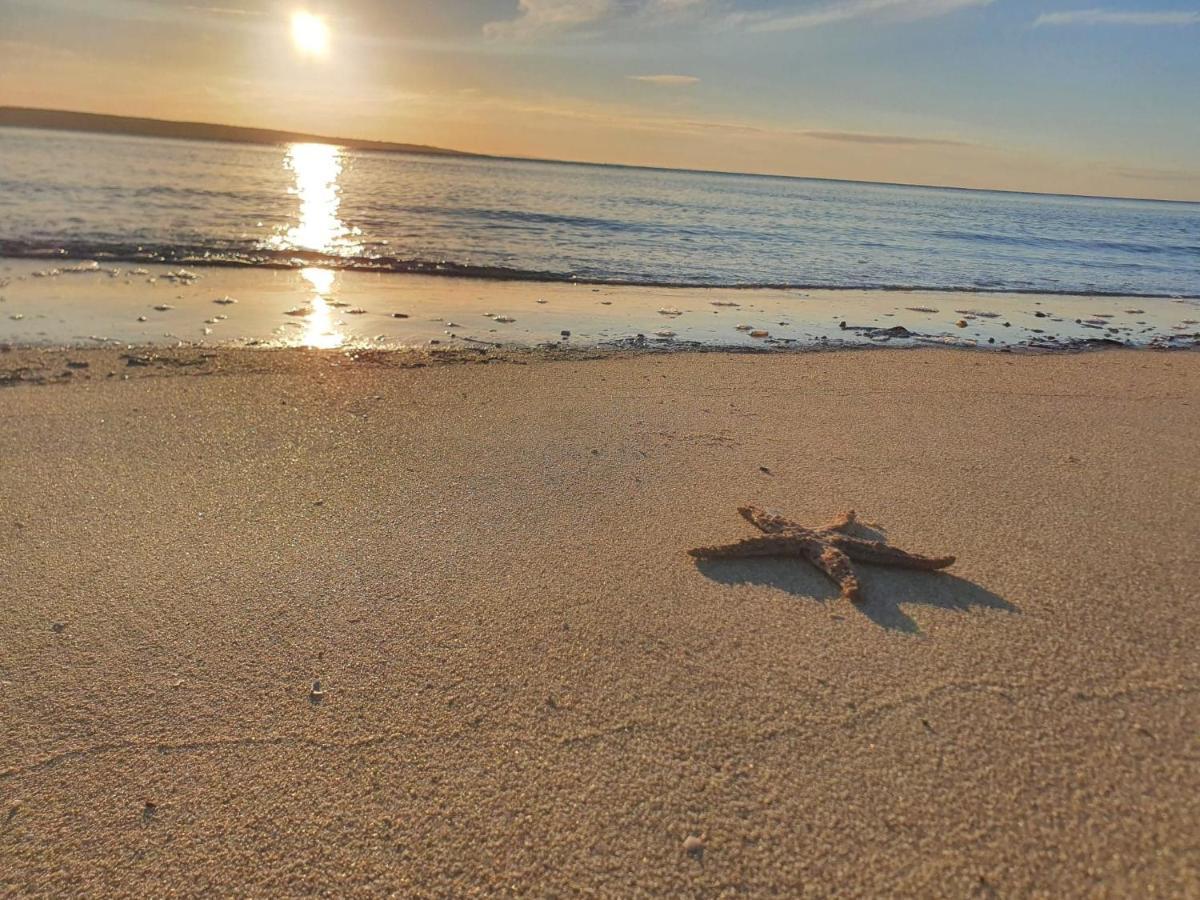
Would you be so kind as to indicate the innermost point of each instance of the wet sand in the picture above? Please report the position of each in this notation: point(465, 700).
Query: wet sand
point(90, 304)
point(528, 686)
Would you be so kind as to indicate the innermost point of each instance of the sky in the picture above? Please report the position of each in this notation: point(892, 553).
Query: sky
point(1061, 96)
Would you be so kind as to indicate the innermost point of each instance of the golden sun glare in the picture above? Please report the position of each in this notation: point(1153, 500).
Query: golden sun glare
point(310, 34)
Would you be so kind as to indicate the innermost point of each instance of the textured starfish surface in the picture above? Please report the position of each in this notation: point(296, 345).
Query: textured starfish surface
point(828, 547)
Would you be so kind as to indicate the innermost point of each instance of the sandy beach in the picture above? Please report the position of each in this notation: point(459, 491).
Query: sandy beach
point(527, 684)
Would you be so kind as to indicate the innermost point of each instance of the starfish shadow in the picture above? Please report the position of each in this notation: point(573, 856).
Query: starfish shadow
point(887, 590)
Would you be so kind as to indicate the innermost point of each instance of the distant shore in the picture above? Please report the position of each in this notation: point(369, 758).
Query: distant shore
point(96, 123)
point(526, 685)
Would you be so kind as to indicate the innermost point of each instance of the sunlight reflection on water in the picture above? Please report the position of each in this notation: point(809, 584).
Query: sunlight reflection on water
point(316, 169)
point(319, 228)
point(320, 329)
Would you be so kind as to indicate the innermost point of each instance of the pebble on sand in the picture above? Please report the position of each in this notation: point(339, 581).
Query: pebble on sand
point(961, 323)
point(163, 307)
point(693, 846)
point(316, 694)
point(504, 319)
point(670, 311)
point(743, 327)
point(224, 301)
point(759, 333)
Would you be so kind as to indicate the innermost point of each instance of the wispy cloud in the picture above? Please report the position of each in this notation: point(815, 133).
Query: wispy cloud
point(895, 140)
point(848, 10)
point(224, 11)
point(631, 118)
point(666, 80)
point(537, 18)
point(1156, 174)
point(1118, 17)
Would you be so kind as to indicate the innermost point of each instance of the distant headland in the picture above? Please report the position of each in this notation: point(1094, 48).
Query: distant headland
point(95, 123)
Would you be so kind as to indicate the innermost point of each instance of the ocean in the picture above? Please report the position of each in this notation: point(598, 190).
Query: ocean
point(145, 200)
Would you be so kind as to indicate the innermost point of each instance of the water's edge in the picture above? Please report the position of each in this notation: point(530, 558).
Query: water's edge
point(301, 259)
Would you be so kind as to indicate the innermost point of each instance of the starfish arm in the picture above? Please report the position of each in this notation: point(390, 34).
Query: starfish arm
point(763, 545)
point(841, 523)
point(765, 521)
point(836, 565)
point(879, 552)
point(772, 523)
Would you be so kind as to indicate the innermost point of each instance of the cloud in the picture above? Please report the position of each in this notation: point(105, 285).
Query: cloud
point(1117, 17)
point(631, 118)
point(538, 17)
point(845, 137)
point(224, 11)
point(896, 140)
point(847, 10)
point(667, 80)
point(1157, 174)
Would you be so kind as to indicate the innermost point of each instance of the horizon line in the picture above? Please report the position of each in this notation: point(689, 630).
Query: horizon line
point(278, 137)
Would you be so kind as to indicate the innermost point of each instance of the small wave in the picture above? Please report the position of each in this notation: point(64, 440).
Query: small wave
point(1060, 243)
point(299, 259)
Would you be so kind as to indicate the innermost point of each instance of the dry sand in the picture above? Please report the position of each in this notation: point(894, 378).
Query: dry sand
point(530, 687)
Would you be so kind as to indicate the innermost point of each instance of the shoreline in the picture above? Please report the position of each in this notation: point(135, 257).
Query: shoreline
point(527, 685)
point(295, 260)
point(86, 303)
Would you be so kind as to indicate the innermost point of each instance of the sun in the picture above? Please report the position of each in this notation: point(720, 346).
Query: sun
point(310, 34)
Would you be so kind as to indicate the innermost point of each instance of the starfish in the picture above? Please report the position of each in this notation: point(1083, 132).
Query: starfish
point(827, 547)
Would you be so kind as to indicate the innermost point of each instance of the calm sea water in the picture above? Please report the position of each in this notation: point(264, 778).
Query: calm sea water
point(89, 196)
